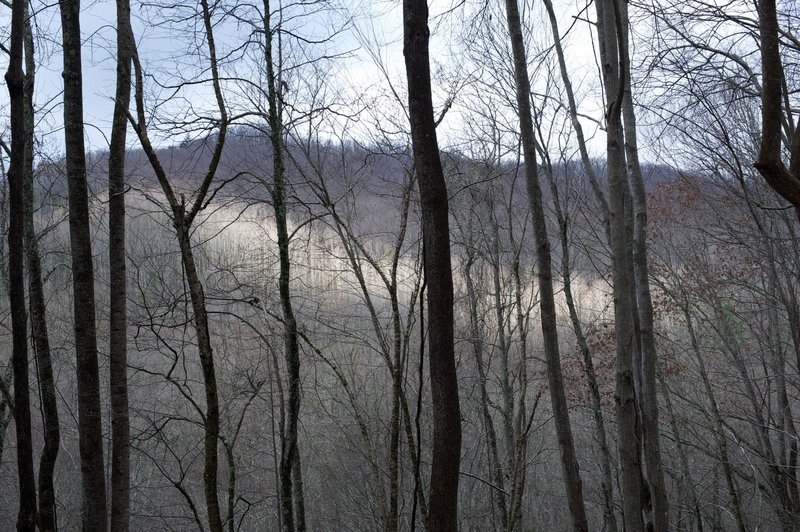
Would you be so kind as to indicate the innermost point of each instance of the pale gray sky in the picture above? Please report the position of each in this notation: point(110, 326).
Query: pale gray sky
point(373, 25)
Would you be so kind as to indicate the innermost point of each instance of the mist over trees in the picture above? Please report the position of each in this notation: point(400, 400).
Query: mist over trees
point(332, 265)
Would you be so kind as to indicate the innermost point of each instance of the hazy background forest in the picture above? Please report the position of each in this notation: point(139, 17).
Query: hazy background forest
point(255, 244)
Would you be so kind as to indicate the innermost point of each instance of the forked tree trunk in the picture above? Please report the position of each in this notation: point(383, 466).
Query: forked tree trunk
point(46, 520)
point(785, 181)
point(569, 462)
point(16, 267)
point(631, 481)
point(90, 427)
point(182, 219)
point(118, 341)
point(644, 304)
point(446, 454)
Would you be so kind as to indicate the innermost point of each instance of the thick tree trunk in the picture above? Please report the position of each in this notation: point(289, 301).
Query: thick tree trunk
point(785, 181)
point(46, 520)
point(446, 454)
point(118, 341)
point(90, 428)
point(569, 462)
point(16, 268)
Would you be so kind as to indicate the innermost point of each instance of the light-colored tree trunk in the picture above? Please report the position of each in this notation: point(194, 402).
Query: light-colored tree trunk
point(644, 305)
point(631, 481)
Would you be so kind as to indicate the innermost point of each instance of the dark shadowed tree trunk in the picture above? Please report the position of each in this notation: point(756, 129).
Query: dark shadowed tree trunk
point(16, 274)
point(446, 454)
point(118, 341)
point(90, 428)
point(569, 462)
point(785, 181)
point(46, 519)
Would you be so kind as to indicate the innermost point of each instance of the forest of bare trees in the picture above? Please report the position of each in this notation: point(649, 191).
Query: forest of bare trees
point(450, 265)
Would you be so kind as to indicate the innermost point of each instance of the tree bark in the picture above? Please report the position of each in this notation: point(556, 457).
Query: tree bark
point(446, 454)
point(120, 424)
point(607, 483)
point(46, 520)
point(16, 267)
point(644, 304)
point(569, 462)
point(631, 481)
point(785, 181)
point(89, 411)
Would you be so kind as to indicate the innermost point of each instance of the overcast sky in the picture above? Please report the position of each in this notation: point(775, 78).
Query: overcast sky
point(372, 30)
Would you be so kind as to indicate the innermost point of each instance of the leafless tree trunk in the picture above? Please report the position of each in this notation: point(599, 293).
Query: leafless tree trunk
point(644, 304)
point(607, 483)
point(716, 418)
point(16, 267)
point(569, 462)
point(89, 410)
point(118, 339)
point(476, 340)
point(687, 481)
point(182, 220)
point(608, 20)
point(292, 511)
point(785, 181)
point(41, 343)
point(446, 455)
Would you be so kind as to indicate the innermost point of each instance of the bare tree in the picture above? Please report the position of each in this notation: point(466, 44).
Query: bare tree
point(39, 333)
point(631, 481)
point(118, 326)
point(569, 462)
point(182, 217)
point(443, 515)
point(16, 267)
point(89, 410)
point(785, 181)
